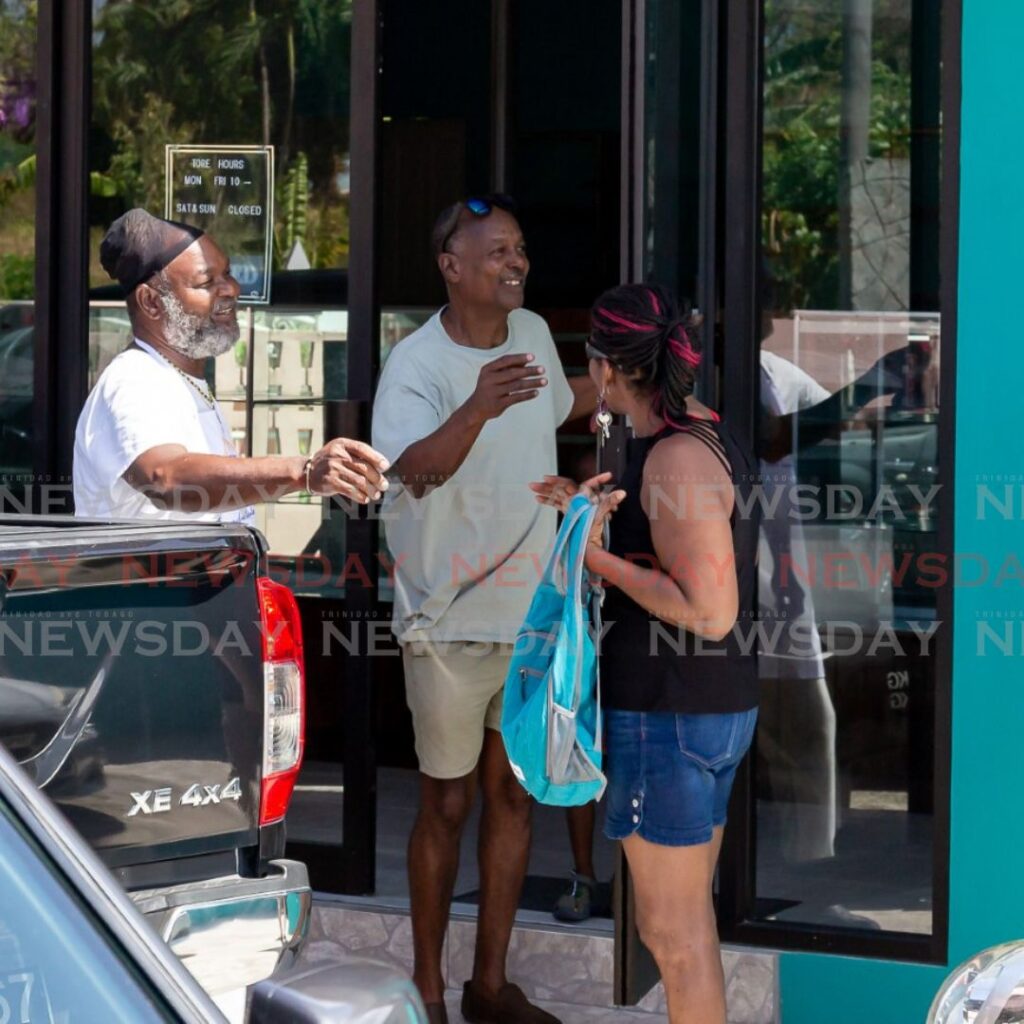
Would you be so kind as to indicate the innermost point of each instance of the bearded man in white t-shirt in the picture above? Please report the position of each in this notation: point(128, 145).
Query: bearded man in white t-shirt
point(151, 441)
point(466, 411)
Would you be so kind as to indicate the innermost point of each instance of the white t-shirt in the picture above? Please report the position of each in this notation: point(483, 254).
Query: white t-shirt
point(796, 652)
point(140, 402)
point(469, 553)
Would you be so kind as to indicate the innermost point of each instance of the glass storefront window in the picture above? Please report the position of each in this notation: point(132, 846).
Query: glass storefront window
point(17, 239)
point(849, 369)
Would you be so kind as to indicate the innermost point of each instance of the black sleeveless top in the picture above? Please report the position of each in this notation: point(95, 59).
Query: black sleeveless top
point(648, 664)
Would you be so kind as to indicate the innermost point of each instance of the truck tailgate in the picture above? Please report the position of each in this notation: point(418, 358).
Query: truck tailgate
point(131, 681)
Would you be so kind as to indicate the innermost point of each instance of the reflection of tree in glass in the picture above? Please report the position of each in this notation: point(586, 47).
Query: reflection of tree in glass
point(223, 72)
point(292, 210)
point(306, 348)
point(17, 149)
point(802, 97)
point(274, 351)
point(241, 361)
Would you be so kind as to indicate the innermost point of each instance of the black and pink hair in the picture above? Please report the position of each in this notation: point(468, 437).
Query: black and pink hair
point(653, 339)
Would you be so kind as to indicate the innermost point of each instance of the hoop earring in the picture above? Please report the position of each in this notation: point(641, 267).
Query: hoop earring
point(604, 416)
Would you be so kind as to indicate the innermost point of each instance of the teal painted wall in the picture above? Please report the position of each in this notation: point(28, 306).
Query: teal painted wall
point(986, 884)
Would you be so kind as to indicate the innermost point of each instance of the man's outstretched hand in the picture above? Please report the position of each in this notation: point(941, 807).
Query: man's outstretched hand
point(349, 468)
point(504, 382)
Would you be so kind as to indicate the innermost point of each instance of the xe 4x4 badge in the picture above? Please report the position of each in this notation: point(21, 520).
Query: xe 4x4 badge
point(157, 801)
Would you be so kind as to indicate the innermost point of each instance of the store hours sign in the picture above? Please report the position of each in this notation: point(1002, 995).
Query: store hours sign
point(228, 191)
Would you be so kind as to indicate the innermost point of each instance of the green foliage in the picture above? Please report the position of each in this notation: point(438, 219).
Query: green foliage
point(17, 276)
point(193, 71)
point(801, 168)
point(18, 19)
point(292, 209)
point(328, 234)
point(23, 176)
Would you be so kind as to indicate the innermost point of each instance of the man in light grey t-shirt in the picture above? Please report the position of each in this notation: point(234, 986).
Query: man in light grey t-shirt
point(466, 412)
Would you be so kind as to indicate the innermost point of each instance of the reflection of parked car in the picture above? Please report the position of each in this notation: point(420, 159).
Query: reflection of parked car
point(30, 715)
point(73, 948)
point(109, 333)
point(16, 399)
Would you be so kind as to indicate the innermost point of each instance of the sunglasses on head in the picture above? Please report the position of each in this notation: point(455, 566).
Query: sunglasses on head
point(479, 206)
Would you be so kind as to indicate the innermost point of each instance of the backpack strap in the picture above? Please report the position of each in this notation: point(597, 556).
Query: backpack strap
point(575, 599)
point(558, 573)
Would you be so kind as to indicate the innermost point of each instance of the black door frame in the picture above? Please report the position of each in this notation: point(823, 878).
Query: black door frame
point(60, 370)
point(359, 849)
point(350, 867)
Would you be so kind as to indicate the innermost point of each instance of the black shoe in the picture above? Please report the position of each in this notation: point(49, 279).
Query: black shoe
point(577, 902)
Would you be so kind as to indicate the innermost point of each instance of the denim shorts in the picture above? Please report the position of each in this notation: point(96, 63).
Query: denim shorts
point(669, 775)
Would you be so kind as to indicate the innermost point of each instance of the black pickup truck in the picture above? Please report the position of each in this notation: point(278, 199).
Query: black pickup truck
point(151, 683)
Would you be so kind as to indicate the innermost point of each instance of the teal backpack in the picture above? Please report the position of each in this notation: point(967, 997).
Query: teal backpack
point(551, 718)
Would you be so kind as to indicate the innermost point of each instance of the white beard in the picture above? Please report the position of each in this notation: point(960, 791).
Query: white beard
point(193, 336)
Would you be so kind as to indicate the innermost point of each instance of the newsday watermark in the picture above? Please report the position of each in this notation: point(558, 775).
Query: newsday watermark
point(769, 499)
point(853, 550)
point(823, 569)
point(797, 505)
point(93, 636)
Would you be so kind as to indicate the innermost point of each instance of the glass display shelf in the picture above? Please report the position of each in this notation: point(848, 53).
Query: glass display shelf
point(272, 387)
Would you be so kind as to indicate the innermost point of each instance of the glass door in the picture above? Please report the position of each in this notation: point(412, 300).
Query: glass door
point(285, 79)
point(528, 105)
point(851, 416)
point(786, 169)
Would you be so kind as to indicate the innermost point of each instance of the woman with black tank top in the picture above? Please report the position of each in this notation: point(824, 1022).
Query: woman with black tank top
point(679, 684)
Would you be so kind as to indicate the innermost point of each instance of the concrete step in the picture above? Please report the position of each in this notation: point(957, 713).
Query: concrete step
point(564, 965)
point(569, 1013)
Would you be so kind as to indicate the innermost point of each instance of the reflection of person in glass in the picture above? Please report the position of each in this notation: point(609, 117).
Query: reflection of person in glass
point(679, 685)
point(797, 736)
point(797, 733)
point(151, 440)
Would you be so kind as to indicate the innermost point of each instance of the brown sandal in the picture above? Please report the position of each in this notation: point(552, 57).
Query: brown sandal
point(510, 1006)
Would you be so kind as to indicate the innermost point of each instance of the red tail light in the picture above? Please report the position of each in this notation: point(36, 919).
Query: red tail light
point(284, 696)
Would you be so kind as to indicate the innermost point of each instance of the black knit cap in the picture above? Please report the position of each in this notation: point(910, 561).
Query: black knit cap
point(139, 245)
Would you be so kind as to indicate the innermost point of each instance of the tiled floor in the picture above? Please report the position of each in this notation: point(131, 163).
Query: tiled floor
point(315, 815)
point(880, 877)
point(569, 1013)
point(569, 973)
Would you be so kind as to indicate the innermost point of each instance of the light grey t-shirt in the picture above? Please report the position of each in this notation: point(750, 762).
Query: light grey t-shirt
point(468, 554)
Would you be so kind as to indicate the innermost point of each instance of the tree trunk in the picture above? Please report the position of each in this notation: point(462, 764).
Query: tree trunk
point(264, 79)
point(289, 110)
point(854, 126)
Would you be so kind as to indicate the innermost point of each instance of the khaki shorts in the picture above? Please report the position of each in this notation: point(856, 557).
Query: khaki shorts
point(454, 691)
